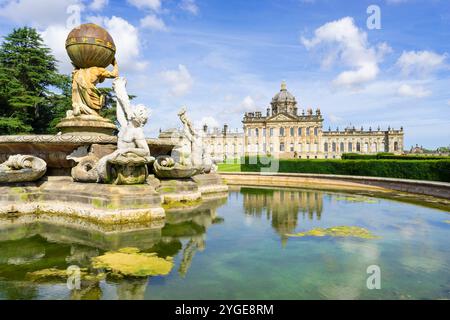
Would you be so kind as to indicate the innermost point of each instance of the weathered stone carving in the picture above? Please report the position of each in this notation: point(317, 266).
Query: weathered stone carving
point(85, 170)
point(165, 167)
point(22, 168)
point(189, 157)
point(127, 164)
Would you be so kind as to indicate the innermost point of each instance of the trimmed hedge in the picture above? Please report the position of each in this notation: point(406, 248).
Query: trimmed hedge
point(390, 156)
point(433, 170)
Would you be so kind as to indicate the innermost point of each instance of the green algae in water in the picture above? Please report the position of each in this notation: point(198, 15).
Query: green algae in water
point(54, 274)
point(341, 231)
point(132, 262)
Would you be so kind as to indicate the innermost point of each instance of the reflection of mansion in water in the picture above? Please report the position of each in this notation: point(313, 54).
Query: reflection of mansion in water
point(283, 207)
point(285, 131)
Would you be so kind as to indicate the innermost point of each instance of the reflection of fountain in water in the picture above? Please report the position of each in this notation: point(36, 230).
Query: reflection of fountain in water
point(29, 245)
point(283, 207)
point(190, 228)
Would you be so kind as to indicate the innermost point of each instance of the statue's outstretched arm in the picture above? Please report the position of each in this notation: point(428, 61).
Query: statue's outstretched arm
point(114, 73)
point(124, 110)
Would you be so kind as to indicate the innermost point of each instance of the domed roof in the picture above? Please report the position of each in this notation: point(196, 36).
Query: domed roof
point(283, 95)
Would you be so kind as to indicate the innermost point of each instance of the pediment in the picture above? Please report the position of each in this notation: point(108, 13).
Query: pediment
point(282, 117)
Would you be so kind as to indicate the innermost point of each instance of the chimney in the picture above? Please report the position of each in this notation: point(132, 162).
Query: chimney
point(205, 128)
point(225, 129)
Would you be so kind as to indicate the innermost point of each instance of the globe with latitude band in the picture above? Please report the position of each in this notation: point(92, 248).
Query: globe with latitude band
point(91, 50)
point(89, 45)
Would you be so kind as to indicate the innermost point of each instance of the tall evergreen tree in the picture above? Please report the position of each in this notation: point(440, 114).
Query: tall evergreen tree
point(28, 71)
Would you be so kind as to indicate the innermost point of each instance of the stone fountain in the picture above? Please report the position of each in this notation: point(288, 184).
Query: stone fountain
point(89, 172)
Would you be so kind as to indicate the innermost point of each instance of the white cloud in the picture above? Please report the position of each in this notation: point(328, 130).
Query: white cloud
point(153, 22)
point(189, 6)
point(335, 119)
point(180, 80)
point(37, 13)
point(126, 37)
point(406, 90)
point(146, 4)
point(54, 37)
point(420, 62)
point(211, 122)
point(248, 104)
point(97, 5)
point(348, 44)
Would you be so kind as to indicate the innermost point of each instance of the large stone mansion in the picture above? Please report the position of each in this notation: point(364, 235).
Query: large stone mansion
point(285, 131)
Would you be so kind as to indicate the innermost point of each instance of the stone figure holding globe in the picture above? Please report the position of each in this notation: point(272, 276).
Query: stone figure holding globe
point(91, 50)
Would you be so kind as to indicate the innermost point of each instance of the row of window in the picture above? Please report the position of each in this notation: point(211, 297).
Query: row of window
point(374, 147)
point(282, 131)
point(328, 147)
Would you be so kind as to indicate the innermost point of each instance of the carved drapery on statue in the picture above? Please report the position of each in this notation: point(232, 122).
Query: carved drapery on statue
point(86, 97)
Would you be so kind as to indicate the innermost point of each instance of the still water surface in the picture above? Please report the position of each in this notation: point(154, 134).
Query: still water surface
point(237, 248)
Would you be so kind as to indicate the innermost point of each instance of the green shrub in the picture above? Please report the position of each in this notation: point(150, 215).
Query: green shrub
point(354, 156)
point(434, 170)
point(390, 156)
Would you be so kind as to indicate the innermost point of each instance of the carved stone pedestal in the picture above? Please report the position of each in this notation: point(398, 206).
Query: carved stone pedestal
point(125, 174)
point(87, 126)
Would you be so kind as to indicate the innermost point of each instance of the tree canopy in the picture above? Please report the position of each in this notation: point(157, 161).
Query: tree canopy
point(29, 80)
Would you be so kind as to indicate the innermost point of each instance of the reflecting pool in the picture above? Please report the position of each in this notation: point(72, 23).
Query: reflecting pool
point(242, 248)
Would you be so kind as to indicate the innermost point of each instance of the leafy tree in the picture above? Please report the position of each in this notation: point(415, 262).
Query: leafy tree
point(28, 72)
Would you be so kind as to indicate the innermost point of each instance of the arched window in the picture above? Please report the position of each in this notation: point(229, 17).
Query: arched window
point(358, 147)
point(282, 147)
point(342, 147)
point(350, 147)
point(281, 132)
point(366, 147)
point(292, 132)
point(325, 147)
point(374, 147)
point(257, 132)
point(395, 146)
point(334, 146)
point(299, 131)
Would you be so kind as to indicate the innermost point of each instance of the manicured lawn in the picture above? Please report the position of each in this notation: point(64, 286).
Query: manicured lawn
point(230, 167)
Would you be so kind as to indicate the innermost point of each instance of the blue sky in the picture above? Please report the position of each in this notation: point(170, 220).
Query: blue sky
point(222, 58)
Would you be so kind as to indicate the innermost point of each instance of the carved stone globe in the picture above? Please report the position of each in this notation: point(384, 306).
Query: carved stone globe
point(89, 45)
